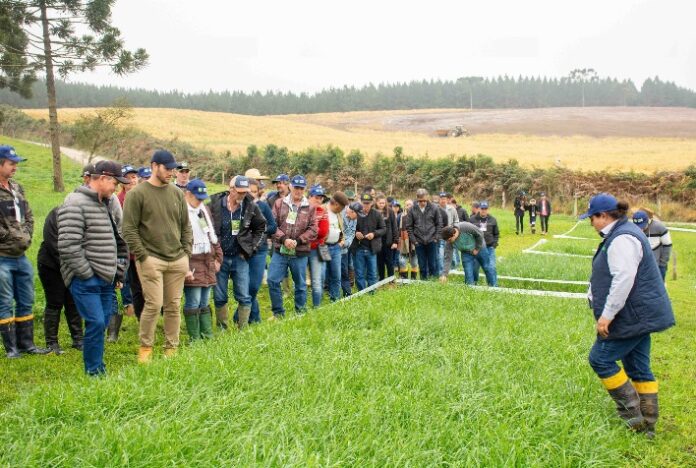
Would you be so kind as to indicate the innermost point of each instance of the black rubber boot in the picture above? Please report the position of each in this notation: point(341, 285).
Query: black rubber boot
point(74, 325)
point(114, 328)
point(628, 406)
point(414, 275)
point(650, 409)
point(51, 322)
point(403, 274)
point(25, 338)
point(9, 340)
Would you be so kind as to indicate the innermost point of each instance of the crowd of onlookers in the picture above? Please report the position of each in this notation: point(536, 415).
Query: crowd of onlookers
point(164, 236)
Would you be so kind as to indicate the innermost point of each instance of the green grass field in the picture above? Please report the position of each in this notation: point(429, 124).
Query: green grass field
point(418, 375)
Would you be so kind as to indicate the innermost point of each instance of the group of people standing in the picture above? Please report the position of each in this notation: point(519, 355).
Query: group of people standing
point(540, 208)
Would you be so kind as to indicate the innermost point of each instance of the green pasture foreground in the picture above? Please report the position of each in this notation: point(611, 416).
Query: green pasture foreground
point(419, 375)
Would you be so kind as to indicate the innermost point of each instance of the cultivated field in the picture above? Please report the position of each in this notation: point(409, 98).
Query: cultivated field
point(640, 139)
point(419, 375)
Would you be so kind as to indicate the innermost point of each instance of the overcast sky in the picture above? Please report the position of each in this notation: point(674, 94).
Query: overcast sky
point(304, 45)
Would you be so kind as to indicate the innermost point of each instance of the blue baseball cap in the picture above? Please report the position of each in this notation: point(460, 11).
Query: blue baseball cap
point(144, 172)
point(600, 203)
point(8, 152)
point(164, 157)
point(128, 169)
point(281, 178)
point(483, 205)
point(198, 189)
point(356, 206)
point(641, 219)
point(298, 181)
point(241, 183)
point(317, 191)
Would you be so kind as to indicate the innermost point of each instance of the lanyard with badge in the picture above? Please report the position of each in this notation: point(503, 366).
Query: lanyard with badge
point(235, 224)
point(18, 210)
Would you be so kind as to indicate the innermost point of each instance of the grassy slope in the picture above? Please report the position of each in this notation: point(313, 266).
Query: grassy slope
point(222, 132)
point(421, 375)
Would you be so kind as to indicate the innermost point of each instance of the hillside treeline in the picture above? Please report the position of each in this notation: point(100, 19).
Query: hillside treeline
point(489, 93)
point(471, 177)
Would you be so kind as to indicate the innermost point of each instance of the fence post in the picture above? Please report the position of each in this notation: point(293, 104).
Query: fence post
point(575, 205)
point(674, 265)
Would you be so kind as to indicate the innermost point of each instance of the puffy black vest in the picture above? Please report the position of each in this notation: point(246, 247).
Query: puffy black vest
point(648, 308)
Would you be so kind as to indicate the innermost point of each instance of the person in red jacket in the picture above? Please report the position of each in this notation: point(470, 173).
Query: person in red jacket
point(317, 198)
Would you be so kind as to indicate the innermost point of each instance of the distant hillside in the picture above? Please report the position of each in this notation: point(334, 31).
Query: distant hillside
point(479, 93)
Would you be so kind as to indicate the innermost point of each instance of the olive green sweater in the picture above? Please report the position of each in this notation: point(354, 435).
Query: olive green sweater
point(156, 222)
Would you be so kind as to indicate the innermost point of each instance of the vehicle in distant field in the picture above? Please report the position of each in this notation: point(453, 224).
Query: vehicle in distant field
point(457, 131)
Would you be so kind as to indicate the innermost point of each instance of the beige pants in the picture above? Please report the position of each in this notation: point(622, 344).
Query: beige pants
point(163, 285)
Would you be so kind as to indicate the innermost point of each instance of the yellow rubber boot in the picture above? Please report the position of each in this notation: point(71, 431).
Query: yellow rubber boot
point(144, 355)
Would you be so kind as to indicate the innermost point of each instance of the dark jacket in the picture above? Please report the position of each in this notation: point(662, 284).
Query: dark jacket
point(520, 205)
point(463, 215)
point(391, 233)
point(15, 238)
point(489, 227)
point(648, 308)
point(548, 207)
point(48, 251)
point(305, 229)
point(423, 227)
point(371, 222)
point(252, 225)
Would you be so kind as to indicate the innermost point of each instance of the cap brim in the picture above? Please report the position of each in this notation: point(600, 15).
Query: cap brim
point(241, 189)
point(123, 180)
point(299, 186)
point(201, 196)
point(173, 165)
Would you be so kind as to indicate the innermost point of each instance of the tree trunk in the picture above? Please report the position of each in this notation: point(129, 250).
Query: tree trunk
point(504, 199)
point(52, 111)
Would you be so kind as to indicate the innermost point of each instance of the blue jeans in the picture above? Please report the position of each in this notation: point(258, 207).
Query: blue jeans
point(427, 260)
point(441, 255)
point(126, 295)
point(634, 353)
point(316, 272)
point(365, 268)
point(196, 297)
point(345, 274)
point(16, 285)
point(94, 298)
point(471, 264)
point(237, 268)
point(663, 271)
point(334, 272)
point(277, 271)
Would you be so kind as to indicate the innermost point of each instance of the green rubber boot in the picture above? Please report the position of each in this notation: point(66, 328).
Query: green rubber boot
point(192, 325)
point(205, 318)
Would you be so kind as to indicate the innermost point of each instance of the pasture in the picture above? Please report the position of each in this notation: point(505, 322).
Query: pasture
point(417, 375)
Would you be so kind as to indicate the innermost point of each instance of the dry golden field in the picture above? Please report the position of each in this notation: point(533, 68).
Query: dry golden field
point(638, 139)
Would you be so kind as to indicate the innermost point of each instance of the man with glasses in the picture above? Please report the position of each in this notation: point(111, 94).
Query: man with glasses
point(423, 224)
point(93, 256)
point(369, 231)
point(157, 229)
point(16, 272)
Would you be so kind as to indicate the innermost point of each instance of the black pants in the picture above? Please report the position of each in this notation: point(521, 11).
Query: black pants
point(544, 223)
point(58, 298)
point(136, 289)
point(385, 259)
point(519, 222)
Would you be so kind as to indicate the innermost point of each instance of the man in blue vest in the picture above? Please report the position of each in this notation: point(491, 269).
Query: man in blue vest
point(629, 301)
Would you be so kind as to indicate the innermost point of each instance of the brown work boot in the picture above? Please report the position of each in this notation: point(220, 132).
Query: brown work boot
point(144, 355)
point(222, 317)
point(169, 352)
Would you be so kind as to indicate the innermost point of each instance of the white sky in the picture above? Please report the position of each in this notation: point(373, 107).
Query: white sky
point(307, 45)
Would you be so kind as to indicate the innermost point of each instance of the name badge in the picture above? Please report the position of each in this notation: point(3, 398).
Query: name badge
point(203, 224)
point(234, 225)
point(292, 217)
point(483, 227)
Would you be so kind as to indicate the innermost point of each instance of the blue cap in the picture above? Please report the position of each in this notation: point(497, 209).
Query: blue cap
point(600, 203)
point(483, 205)
point(8, 152)
point(164, 157)
point(128, 169)
point(356, 206)
point(443, 195)
point(198, 189)
point(281, 178)
point(298, 181)
point(641, 219)
point(317, 191)
point(144, 172)
point(241, 183)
